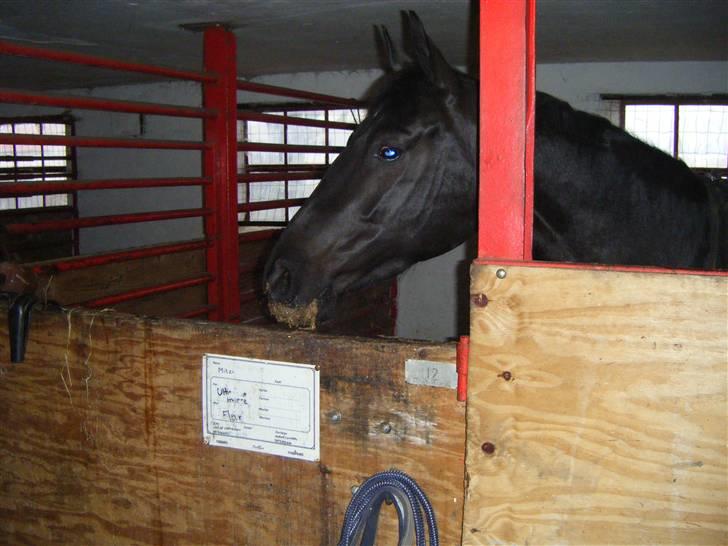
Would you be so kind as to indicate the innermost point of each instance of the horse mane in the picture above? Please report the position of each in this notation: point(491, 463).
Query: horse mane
point(556, 118)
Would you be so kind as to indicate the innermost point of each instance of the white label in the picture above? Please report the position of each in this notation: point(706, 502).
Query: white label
point(430, 374)
point(261, 405)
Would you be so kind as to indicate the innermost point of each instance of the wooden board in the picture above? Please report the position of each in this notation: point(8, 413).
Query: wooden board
point(101, 443)
point(602, 398)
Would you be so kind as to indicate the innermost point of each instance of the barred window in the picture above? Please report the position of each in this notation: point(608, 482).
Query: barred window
point(29, 163)
point(694, 129)
point(300, 171)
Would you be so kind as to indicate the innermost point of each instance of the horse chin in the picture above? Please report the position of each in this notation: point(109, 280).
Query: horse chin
point(302, 316)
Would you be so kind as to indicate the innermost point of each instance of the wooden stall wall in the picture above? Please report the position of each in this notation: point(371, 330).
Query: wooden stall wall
point(101, 439)
point(597, 407)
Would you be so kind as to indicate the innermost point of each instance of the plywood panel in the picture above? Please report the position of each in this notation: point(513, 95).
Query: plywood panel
point(597, 408)
point(100, 436)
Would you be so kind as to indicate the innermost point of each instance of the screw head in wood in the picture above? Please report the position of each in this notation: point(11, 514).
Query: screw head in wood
point(479, 300)
point(501, 273)
point(488, 448)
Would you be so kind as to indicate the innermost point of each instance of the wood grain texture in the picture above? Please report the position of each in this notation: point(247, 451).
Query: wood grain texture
point(101, 440)
point(610, 425)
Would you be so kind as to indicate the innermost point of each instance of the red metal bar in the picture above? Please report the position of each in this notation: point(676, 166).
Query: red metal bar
point(290, 167)
point(38, 188)
point(274, 177)
point(248, 296)
point(270, 205)
point(96, 221)
point(462, 358)
point(101, 142)
point(204, 310)
point(84, 262)
point(288, 148)
point(295, 93)
point(144, 292)
point(10, 48)
point(220, 164)
point(247, 115)
point(88, 103)
point(260, 235)
point(505, 65)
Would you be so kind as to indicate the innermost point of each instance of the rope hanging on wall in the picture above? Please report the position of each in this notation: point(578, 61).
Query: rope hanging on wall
point(362, 514)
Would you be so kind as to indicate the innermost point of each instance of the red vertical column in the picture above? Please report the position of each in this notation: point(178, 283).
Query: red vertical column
point(507, 104)
point(220, 164)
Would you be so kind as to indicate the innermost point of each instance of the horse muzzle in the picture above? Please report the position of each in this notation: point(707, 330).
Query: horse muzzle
point(291, 301)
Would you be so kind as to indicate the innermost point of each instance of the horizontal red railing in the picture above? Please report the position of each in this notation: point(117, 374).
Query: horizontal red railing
point(259, 235)
point(150, 291)
point(109, 105)
point(270, 205)
point(292, 120)
point(84, 262)
point(101, 142)
point(40, 188)
point(97, 221)
point(290, 167)
point(288, 148)
point(273, 177)
point(200, 311)
point(10, 48)
point(296, 94)
point(20, 181)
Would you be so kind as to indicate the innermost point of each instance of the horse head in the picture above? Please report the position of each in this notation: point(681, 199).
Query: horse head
point(402, 191)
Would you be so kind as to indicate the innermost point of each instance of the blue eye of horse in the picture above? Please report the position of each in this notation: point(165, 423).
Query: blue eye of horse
point(389, 153)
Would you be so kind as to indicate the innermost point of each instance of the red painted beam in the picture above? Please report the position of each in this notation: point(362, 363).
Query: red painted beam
point(270, 205)
point(297, 94)
point(292, 120)
point(506, 129)
point(109, 105)
point(259, 235)
point(101, 142)
point(41, 188)
point(144, 292)
point(282, 175)
point(220, 164)
point(288, 148)
point(10, 48)
point(84, 262)
point(97, 221)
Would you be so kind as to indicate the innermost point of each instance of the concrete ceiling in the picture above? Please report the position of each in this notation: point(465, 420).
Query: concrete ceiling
point(278, 36)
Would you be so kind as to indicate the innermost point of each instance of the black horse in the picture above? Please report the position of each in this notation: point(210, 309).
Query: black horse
point(404, 190)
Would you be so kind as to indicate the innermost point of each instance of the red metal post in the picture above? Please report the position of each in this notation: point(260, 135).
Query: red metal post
point(507, 96)
point(461, 366)
point(220, 164)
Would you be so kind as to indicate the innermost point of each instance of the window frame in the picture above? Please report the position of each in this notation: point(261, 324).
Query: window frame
point(71, 171)
point(674, 100)
point(284, 109)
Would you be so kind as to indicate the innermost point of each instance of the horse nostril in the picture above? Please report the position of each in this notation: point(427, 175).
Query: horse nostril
point(278, 283)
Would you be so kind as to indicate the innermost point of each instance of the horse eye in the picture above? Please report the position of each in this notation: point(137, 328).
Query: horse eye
point(389, 153)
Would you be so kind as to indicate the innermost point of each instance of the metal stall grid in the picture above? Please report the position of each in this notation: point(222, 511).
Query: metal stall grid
point(251, 187)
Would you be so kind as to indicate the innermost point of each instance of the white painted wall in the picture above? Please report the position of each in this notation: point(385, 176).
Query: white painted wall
point(96, 163)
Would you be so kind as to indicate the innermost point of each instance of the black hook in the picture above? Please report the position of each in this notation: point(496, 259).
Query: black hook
point(19, 325)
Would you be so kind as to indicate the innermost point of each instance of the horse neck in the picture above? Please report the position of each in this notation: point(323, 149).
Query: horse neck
point(466, 119)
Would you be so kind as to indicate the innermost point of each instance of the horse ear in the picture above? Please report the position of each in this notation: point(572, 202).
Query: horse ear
point(426, 54)
point(386, 49)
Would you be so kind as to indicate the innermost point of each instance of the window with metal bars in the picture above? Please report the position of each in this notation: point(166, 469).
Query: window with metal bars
point(691, 128)
point(22, 165)
point(275, 183)
point(28, 163)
